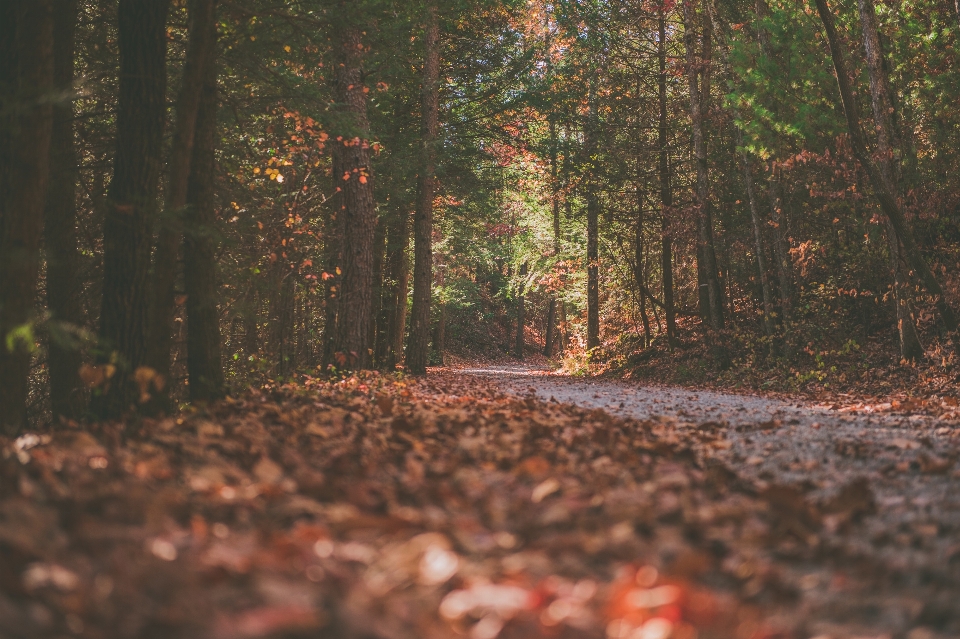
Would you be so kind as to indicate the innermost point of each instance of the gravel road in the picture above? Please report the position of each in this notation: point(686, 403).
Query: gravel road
point(907, 461)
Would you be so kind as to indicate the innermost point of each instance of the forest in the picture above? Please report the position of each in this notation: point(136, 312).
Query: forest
point(301, 299)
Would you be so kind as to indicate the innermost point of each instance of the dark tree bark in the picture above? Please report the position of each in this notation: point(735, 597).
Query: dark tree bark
point(200, 53)
point(521, 319)
point(64, 287)
point(132, 199)
point(666, 193)
point(250, 314)
point(759, 236)
point(769, 326)
point(887, 143)
point(781, 249)
point(550, 336)
point(593, 222)
point(417, 350)
point(888, 200)
point(377, 318)
point(638, 272)
point(204, 366)
point(439, 343)
point(781, 242)
point(356, 213)
point(331, 287)
point(26, 79)
point(398, 266)
point(706, 254)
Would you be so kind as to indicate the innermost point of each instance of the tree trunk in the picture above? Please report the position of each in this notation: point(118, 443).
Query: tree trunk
point(418, 349)
point(377, 327)
point(251, 332)
point(521, 312)
point(440, 335)
point(399, 270)
point(331, 287)
point(887, 143)
point(766, 289)
point(593, 271)
point(26, 78)
point(706, 251)
point(204, 366)
point(353, 177)
point(550, 336)
point(200, 53)
point(666, 193)
point(888, 200)
point(769, 326)
point(60, 228)
point(638, 273)
point(132, 198)
point(781, 247)
point(593, 219)
point(782, 250)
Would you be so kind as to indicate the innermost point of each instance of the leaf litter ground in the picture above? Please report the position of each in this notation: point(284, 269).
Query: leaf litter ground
point(457, 507)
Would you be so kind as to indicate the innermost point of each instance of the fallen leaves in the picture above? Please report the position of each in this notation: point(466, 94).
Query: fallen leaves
point(382, 508)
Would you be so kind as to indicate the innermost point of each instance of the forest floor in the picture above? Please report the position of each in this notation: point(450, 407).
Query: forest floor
point(486, 501)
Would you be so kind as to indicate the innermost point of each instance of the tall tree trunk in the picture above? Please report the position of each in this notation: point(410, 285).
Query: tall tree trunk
point(377, 327)
point(60, 227)
point(132, 198)
point(440, 335)
point(550, 336)
point(593, 222)
point(200, 54)
point(399, 269)
point(204, 366)
point(417, 351)
point(26, 78)
point(666, 193)
point(766, 289)
point(353, 176)
point(521, 312)
point(781, 249)
point(887, 144)
point(888, 199)
point(769, 326)
point(706, 252)
point(331, 287)
point(251, 333)
point(638, 273)
point(781, 245)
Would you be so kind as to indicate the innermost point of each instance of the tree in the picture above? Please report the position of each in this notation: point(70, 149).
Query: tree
point(707, 258)
point(778, 216)
point(417, 351)
point(200, 243)
point(663, 166)
point(64, 285)
point(26, 80)
point(132, 200)
point(521, 308)
point(888, 149)
point(591, 143)
point(356, 213)
point(200, 56)
point(398, 267)
point(887, 199)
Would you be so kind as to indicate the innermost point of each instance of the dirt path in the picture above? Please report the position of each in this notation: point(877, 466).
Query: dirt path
point(907, 462)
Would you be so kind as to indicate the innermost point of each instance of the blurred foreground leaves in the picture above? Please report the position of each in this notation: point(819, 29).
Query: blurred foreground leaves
point(375, 507)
